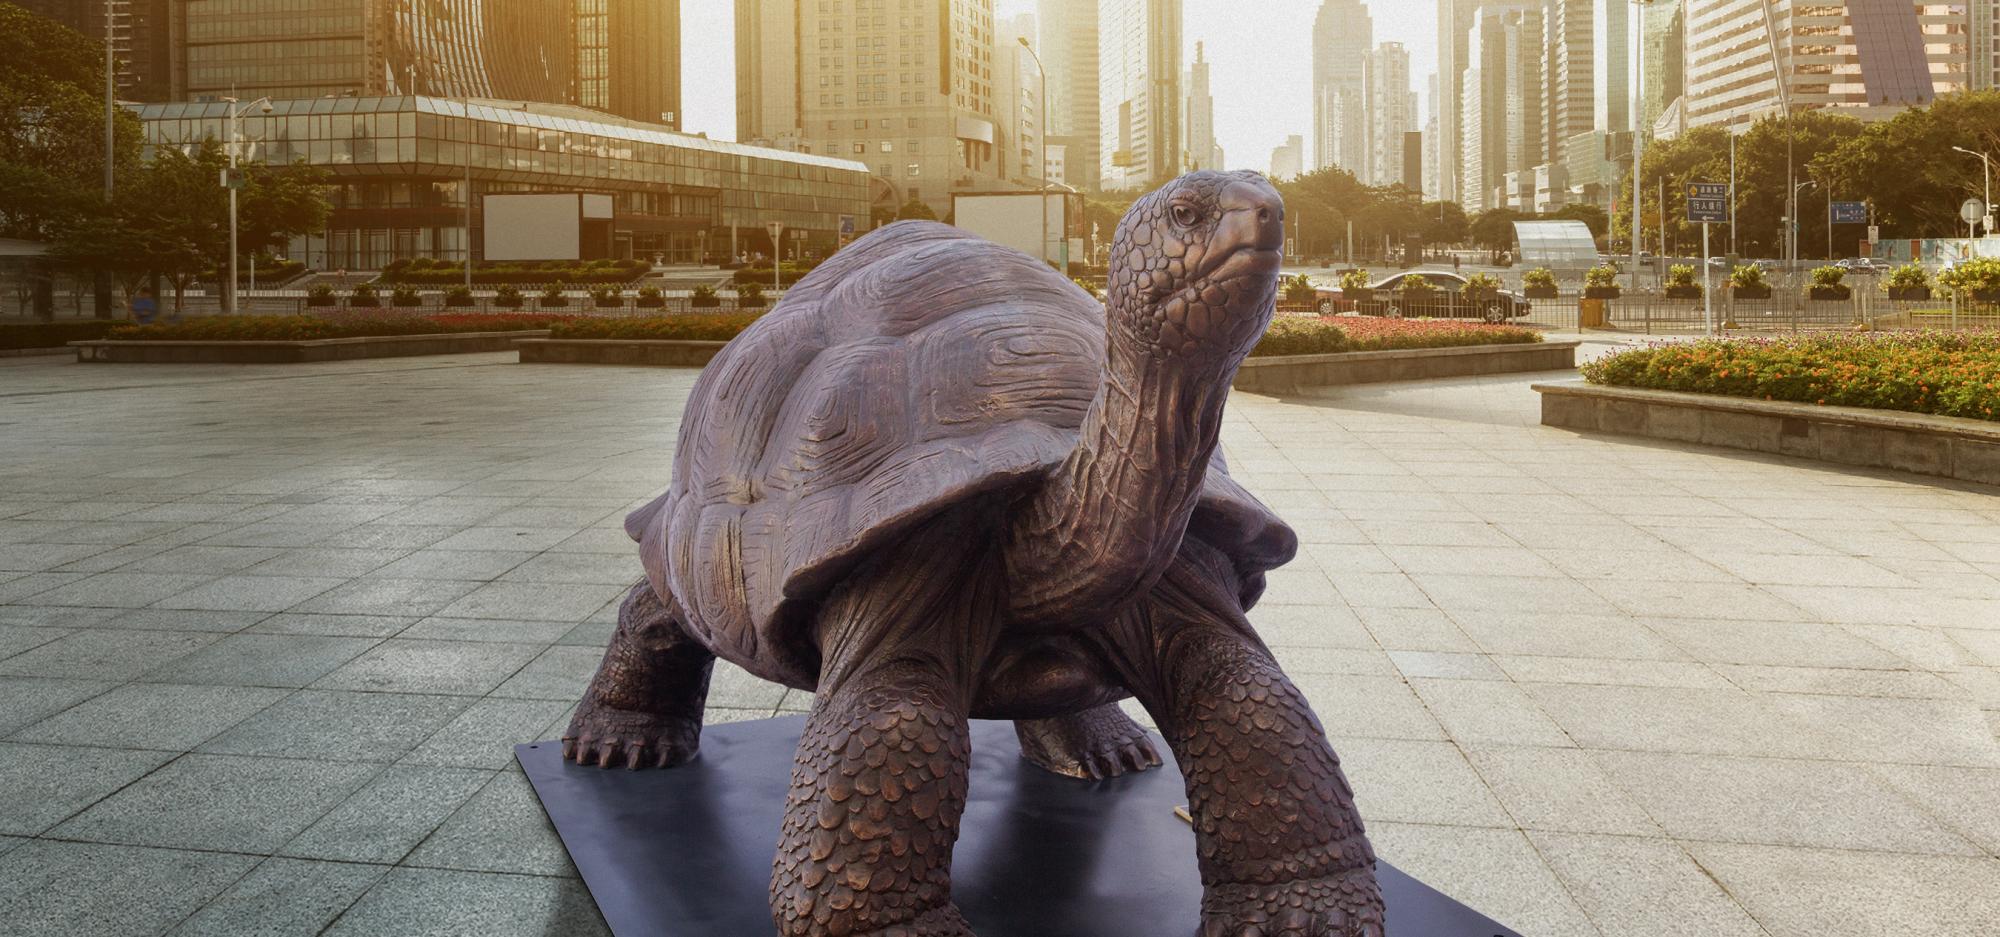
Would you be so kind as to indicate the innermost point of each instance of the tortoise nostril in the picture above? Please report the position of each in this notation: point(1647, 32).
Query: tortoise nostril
point(1263, 215)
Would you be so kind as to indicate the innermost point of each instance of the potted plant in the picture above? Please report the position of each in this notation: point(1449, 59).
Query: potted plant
point(750, 295)
point(363, 297)
point(704, 297)
point(508, 296)
point(552, 298)
point(1415, 294)
point(1747, 282)
point(604, 298)
point(1909, 283)
point(649, 298)
point(1681, 283)
point(1354, 286)
point(458, 296)
point(1600, 282)
point(1539, 283)
point(1827, 285)
point(403, 297)
point(1298, 291)
point(1977, 278)
point(321, 295)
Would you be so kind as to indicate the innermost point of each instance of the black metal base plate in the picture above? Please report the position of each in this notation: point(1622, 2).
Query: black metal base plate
point(687, 852)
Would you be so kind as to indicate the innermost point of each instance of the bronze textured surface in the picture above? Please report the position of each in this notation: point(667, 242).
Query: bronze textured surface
point(937, 482)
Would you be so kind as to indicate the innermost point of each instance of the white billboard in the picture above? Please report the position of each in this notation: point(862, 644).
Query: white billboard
point(1014, 219)
point(534, 227)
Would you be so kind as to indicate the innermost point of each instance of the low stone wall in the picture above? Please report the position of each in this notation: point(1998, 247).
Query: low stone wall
point(282, 352)
point(1288, 373)
point(659, 353)
point(1948, 447)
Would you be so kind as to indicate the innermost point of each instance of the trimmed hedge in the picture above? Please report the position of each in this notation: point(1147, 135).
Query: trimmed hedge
point(788, 272)
point(309, 327)
point(421, 271)
point(1939, 373)
point(51, 334)
point(695, 328)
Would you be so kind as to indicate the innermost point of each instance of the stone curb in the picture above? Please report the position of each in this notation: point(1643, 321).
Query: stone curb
point(671, 353)
point(1942, 446)
point(1287, 374)
point(297, 352)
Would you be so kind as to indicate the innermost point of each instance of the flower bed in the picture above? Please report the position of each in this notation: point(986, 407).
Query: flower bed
point(695, 328)
point(1941, 373)
point(533, 272)
point(322, 326)
point(1333, 335)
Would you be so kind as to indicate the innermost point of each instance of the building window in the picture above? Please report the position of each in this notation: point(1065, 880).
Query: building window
point(916, 170)
point(860, 147)
point(888, 146)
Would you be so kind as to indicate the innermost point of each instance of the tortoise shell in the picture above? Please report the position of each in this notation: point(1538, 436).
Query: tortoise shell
point(919, 367)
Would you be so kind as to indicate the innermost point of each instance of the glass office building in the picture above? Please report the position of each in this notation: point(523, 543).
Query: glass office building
point(399, 166)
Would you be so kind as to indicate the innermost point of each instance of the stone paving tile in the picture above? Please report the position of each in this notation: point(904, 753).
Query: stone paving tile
point(1488, 712)
point(484, 735)
point(1495, 871)
point(1960, 798)
point(14, 640)
point(200, 560)
point(1902, 731)
point(1650, 874)
point(46, 784)
point(1559, 789)
point(351, 626)
point(219, 802)
point(387, 597)
point(340, 726)
point(400, 665)
point(534, 600)
point(271, 660)
point(106, 655)
point(282, 896)
point(387, 818)
point(120, 590)
point(504, 631)
point(325, 561)
point(175, 619)
point(501, 829)
point(1778, 802)
point(153, 716)
point(1674, 719)
point(56, 616)
point(1374, 707)
point(469, 565)
point(559, 673)
point(27, 700)
point(1398, 780)
point(1795, 892)
point(445, 903)
point(108, 891)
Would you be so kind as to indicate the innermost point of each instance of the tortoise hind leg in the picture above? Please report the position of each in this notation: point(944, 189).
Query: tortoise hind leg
point(1094, 744)
point(644, 707)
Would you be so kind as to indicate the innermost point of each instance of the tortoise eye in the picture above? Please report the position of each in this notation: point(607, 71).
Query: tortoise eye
point(1185, 215)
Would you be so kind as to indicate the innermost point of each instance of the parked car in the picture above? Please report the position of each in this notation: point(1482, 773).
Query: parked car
point(1864, 266)
point(1447, 300)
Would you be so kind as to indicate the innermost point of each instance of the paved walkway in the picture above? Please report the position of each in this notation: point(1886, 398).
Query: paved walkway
point(266, 634)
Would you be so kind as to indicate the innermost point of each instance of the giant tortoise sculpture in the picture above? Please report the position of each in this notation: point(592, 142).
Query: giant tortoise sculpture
point(940, 482)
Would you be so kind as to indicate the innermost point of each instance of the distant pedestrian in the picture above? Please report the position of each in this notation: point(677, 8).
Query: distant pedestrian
point(1454, 261)
point(144, 307)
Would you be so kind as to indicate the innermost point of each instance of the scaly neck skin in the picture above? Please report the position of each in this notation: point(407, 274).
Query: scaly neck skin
point(1111, 517)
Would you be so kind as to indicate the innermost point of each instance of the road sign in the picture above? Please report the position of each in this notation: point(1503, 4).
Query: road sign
point(847, 226)
point(1874, 234)
point(1708, 210)
point(1850, 213)
point(232, 178)
point(1972, 210)
point(776, 229)
point(1708, 190)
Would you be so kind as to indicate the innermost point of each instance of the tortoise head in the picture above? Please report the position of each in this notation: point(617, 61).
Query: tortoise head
point(1194, 267)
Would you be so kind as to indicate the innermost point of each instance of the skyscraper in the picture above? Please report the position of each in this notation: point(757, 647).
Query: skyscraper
point(1501, 131)
point(1869, 58)
point(1567, 70)
point(1611, 65)
point(908, 91)
point(1392, 112)
point(140, 38)
point(1201, 151)
point(1288, 161)
point(1069, 53)
point(1343, 34)
point(628, 58)
point(1139, 94)
point(1454, 26)
point(1017, 99)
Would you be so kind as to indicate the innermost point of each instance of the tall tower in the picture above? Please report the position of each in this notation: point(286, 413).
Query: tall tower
point(1201, 151)
point(1343, 34)
point(1391, 113)
point(1454, 25)
point(1139, 93)
point(1017, 100)
point(1611, 69)
point(1069, 54)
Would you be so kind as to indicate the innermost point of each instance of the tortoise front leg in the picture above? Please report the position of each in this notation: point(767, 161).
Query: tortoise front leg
point(1281, 848)
point(1094, 744)
point(644, 707)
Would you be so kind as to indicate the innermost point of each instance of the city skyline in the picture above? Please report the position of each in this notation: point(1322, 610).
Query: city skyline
point(1261, 66)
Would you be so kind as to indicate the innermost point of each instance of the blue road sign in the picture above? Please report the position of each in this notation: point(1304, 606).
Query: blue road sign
point(1850, 213)
point(1708, 190)
point(1708, 210)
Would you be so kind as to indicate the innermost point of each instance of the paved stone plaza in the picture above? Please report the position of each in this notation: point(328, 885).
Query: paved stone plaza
point(267, 635)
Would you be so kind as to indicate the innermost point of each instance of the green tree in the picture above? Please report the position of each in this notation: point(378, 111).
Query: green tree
point(1761, 180)
point(1445, 223)
point(1494, 229)
point(1592, 216)
point(916, 210)
point(1907, 171)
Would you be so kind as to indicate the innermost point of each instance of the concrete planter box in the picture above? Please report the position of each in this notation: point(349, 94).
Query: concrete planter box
point(281, 352)
point(1949, 447)
point(1287, 374)
point(657, 353)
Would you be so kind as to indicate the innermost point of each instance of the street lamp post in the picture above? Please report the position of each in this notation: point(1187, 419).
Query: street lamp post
point(471, 139)
point(1987, 164)
point(234, 183)
point(1792, 225)
point(1042, 172)
point(1638, 136)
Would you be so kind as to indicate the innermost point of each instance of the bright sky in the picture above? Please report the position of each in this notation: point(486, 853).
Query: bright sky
point(1260, 50)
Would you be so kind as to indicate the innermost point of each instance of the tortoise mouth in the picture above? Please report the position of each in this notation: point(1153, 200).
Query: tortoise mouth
point(1246, 260)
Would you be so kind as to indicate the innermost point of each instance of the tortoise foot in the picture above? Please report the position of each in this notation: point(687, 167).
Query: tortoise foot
point(617, 738)
point(1094, 744)
point(1347, 904)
